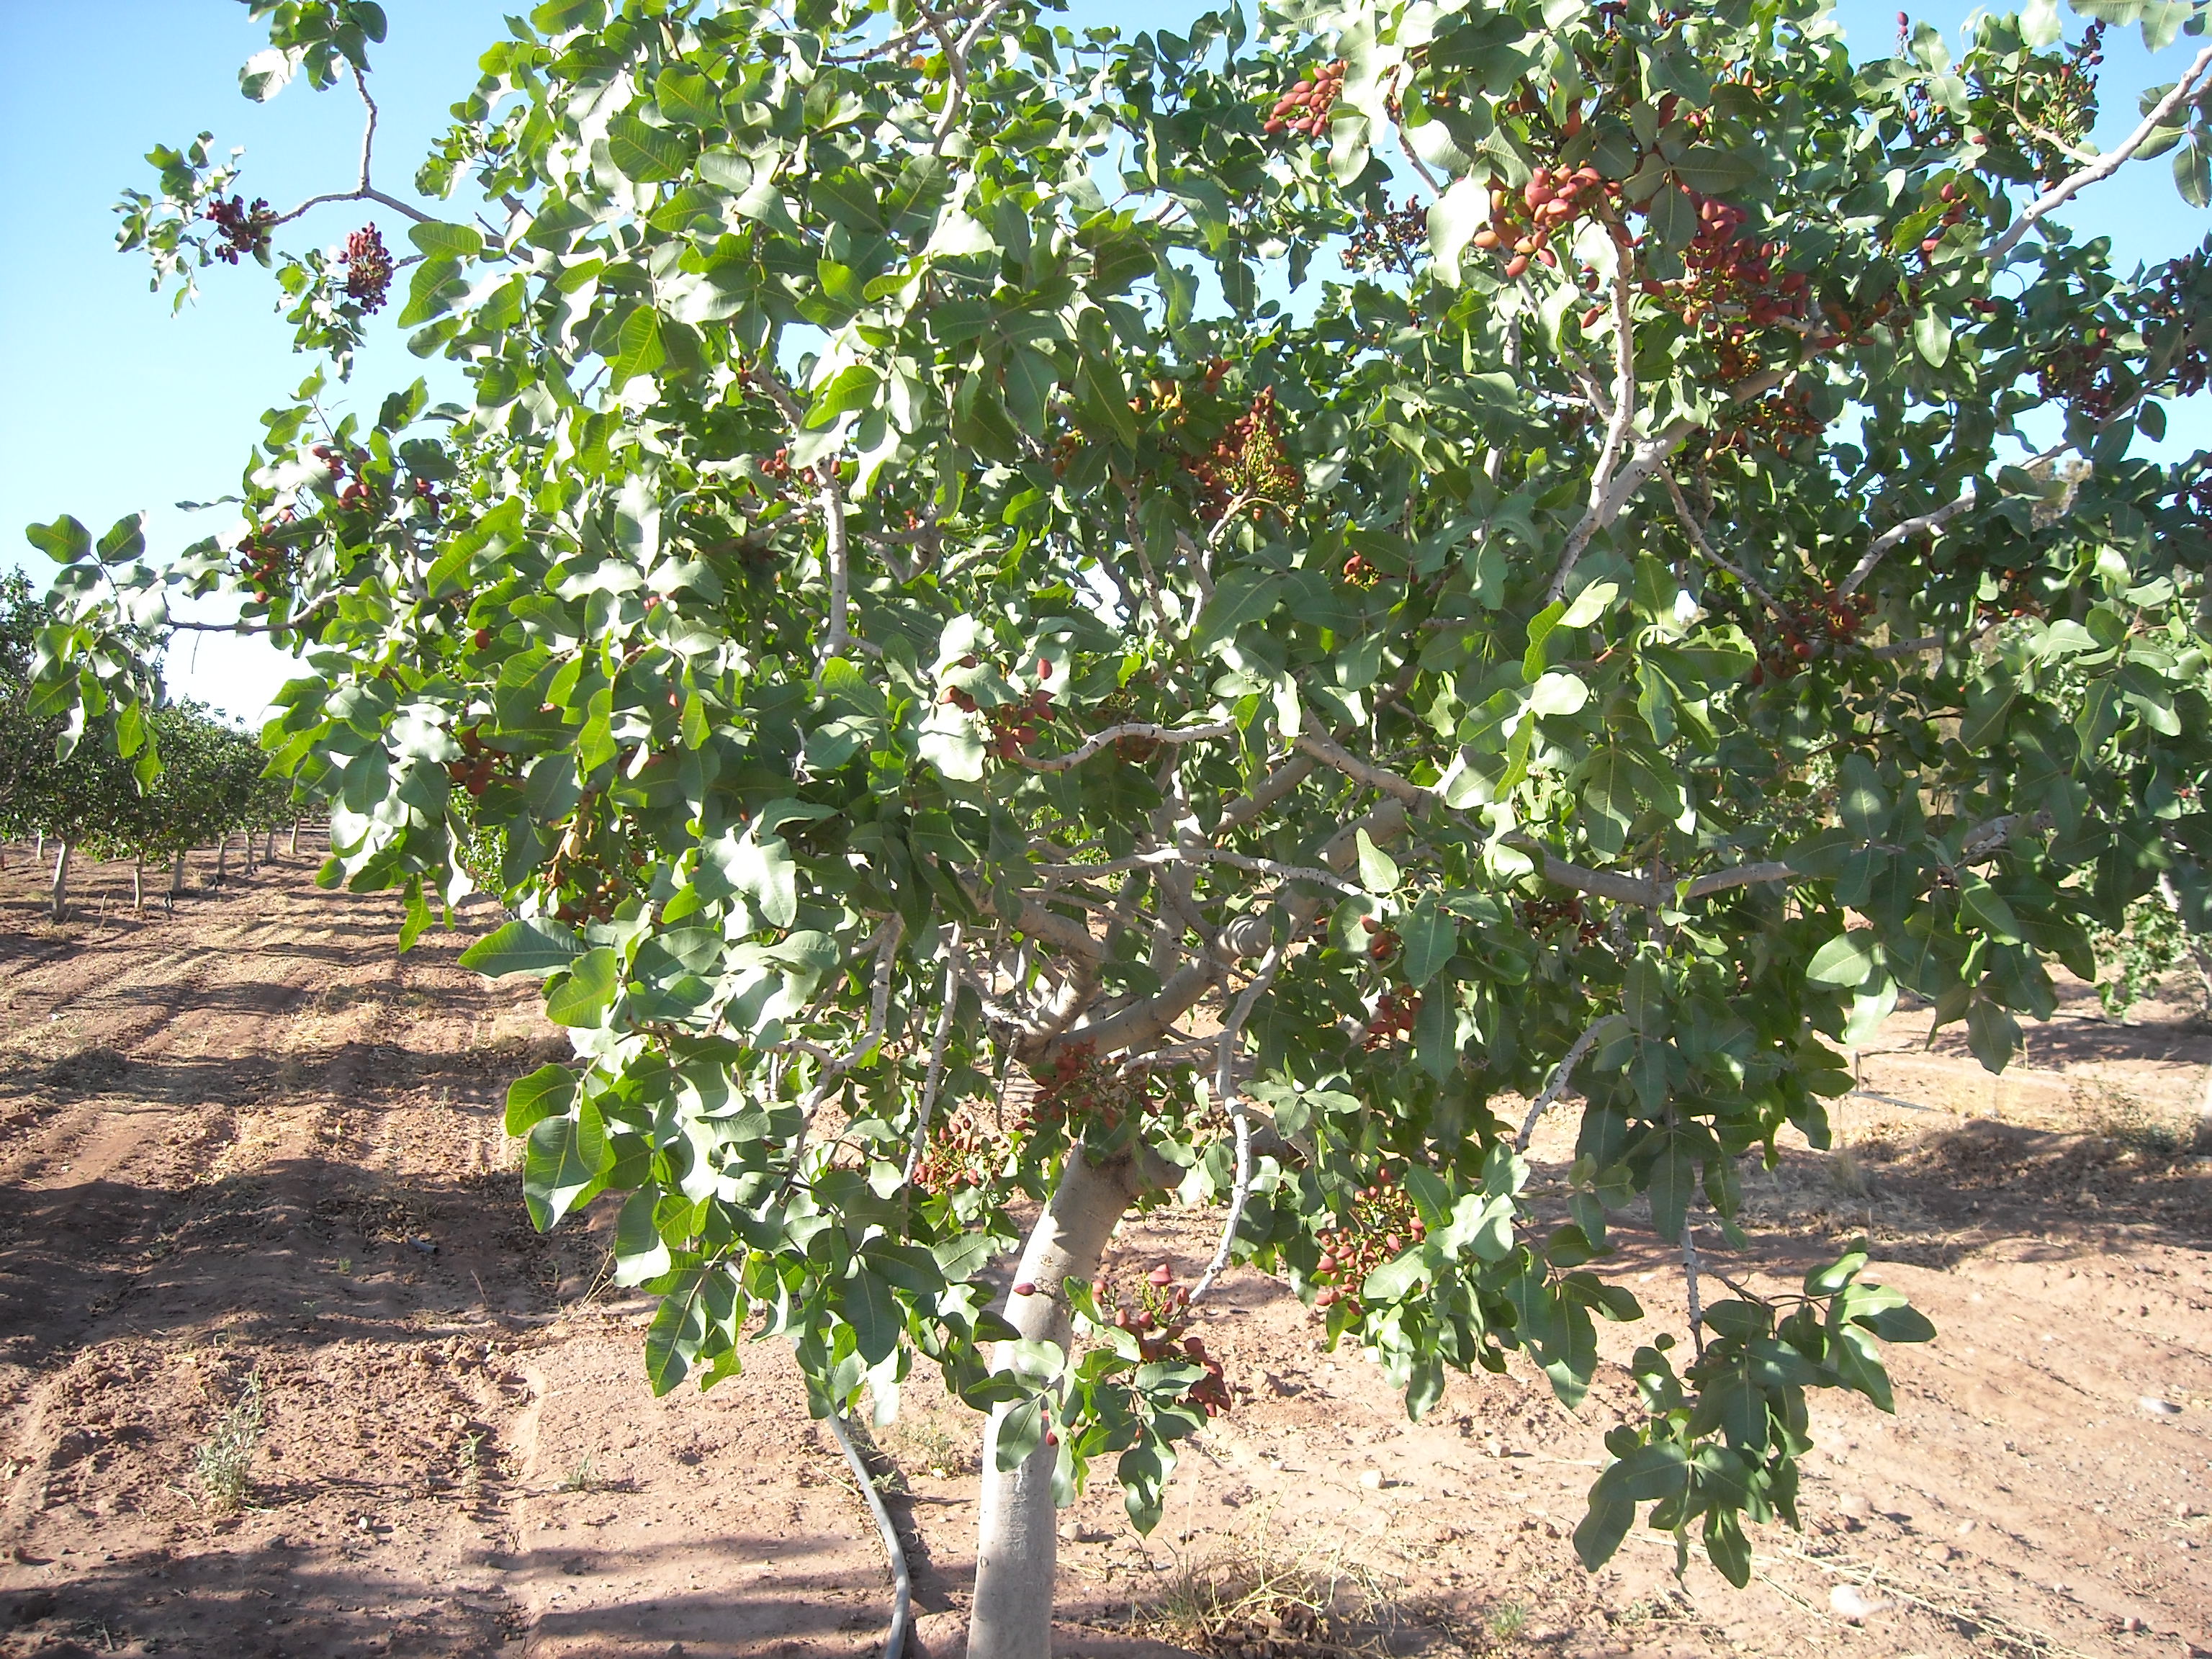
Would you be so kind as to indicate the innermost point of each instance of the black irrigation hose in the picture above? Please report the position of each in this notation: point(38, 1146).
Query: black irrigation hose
point(901, 1581)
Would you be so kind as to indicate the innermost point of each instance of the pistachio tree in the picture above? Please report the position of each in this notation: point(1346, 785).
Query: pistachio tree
point(1036, 624)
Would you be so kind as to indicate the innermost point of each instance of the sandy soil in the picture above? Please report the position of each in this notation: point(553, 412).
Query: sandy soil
point(252, 1165)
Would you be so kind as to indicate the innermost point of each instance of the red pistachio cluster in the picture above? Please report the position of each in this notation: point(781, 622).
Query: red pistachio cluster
point(1077, 1085)
point(1522, 223)
point(1393, 240)
point(1382, 1223)
point(1159, 1320)
point(244, 229)
point(1776, 422)
point(1248, 464)
point(1541, 915)
point(1014, 726)
point(267, 564)
point(1305, 107)
point(1804, 631)
point(1730, 286)
point(1361, 572)
point(2080, 374)
point(1392, 1020)
point(338, 463)
point(477, 767)
point(963, 1151)
point(1381, 942)
point(368, 268)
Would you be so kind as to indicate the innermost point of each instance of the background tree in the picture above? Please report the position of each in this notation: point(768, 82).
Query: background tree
point(912, 606)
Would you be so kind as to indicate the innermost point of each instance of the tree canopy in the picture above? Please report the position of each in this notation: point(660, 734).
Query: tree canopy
point(983, 560)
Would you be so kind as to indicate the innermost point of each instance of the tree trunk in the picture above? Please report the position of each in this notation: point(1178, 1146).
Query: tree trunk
point(269, 848)
point(61, 880)
point(177, 875)
point(138, 884)
point(39, 844)
point(247, 842)
point(1017, 1540)
point(222, 857)
point(295, 838)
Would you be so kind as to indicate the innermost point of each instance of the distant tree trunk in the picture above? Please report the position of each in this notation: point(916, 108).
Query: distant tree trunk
point(61, 880)
point(38, 845)
point(222, 857)
point(295, 837)
point(247, 838)
point(269, 848)
point(138, 884)
point(177, 874)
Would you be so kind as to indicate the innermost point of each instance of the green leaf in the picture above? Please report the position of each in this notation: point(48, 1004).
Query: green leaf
point(559, 1169)
point(2192, 172)
point(1931, 336)
point(1019, 1431)
point(1983, 906)
point(549, 1091)
point(1673, 1184)
point(686, 95)
point(645, 154)
point(439, 241)
point(1602, 1530)
point(1846, 961)
point(1240, 598)
point(559, 16)
point(1460, 212)
point(1713, 171)
point(584, 997)
point(1378, 871)
point(533, 944)
point(640, 348)
point(1431, 937)
point(874, 1311)
point(65, 541)
point(1992, 1034)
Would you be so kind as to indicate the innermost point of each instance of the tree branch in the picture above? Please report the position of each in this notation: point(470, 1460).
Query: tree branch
point(2105, 166)
point(837, 548)
point(1099, 740)
point(934, 1076)
point(1881, 547)
point(1201, 853)
point(1232, 1095)
point(1690, 528)
point(1562, 1075)
point(363, 191)
point(1603, 507)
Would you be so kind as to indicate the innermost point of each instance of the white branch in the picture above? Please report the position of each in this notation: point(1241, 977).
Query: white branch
point(1099, 740)
point(935, 1075)
point(2105, 166)
point(1697, 535)
point(878, 1018)
point(1561, 1076)
point(1604, 505)
point(1198, 855)
point(1881, 547)
point(363, 191)
point(1232, 1095)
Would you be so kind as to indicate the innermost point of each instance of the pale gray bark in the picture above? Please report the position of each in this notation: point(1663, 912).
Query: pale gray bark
point(1017, 1542)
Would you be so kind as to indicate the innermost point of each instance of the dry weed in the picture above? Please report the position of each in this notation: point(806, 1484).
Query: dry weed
point(221, 1464)
point(1255, 1600)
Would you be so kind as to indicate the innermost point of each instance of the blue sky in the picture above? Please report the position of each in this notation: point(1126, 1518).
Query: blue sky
point(117, 405)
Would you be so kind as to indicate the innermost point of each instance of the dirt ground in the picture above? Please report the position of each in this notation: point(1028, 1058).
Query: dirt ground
point(258, 1224)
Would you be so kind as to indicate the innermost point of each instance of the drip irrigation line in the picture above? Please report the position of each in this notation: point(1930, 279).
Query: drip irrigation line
point(901, 1580)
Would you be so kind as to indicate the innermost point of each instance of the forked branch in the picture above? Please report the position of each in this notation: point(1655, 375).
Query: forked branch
point(2105, 166)
point(365, 190)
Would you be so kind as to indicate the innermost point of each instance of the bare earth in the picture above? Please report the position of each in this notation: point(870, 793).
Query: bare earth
point(250, 1151)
